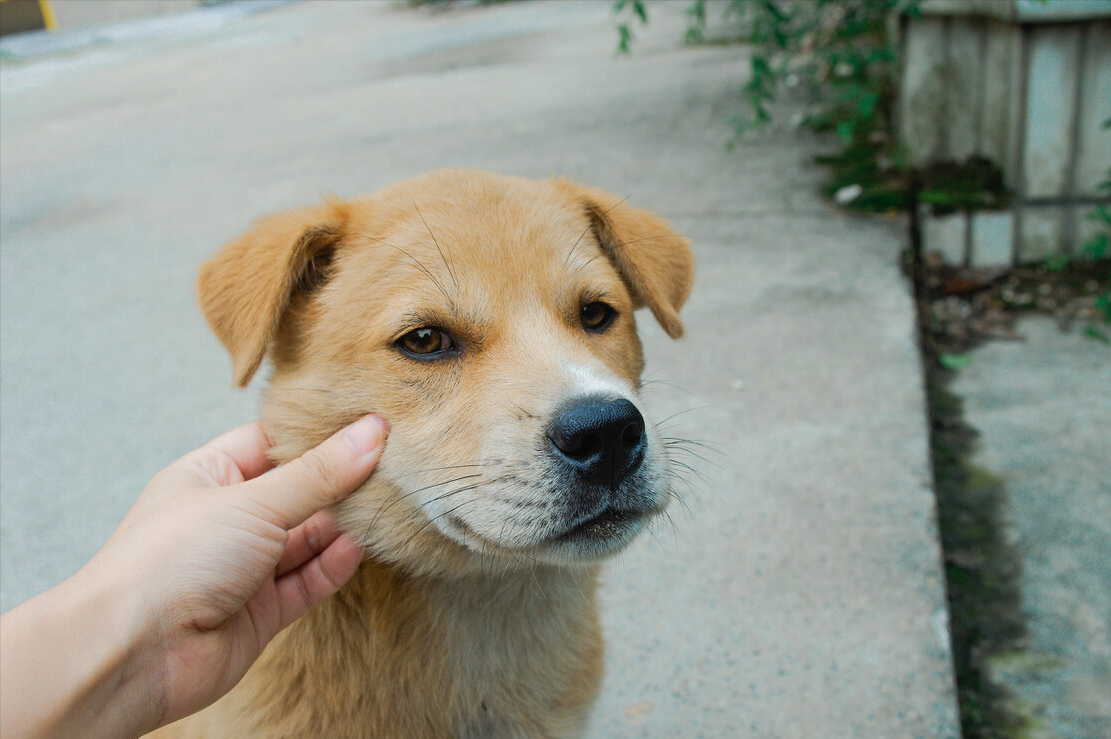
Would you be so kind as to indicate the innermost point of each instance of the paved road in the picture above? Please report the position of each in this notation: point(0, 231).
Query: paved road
point(799, 597)
point(1043, 410)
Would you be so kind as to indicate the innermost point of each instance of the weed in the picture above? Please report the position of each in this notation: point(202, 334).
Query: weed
point(841, 46)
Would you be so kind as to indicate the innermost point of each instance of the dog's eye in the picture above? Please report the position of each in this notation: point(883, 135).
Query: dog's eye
point(425, 342)
point(596, 316)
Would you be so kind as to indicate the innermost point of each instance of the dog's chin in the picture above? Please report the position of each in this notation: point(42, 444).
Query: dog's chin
point(599, 537)
point(596, 538)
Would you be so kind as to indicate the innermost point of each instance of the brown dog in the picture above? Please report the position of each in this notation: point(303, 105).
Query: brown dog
point(489, 319)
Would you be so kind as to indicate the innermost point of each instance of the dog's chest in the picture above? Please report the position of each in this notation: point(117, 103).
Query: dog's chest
point(452, 662)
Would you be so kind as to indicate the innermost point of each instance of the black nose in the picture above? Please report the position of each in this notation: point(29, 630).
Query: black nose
point(602, 439)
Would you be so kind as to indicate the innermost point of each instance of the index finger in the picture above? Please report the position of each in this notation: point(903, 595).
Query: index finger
point(321, 476)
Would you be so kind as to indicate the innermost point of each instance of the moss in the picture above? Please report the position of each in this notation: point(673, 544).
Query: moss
point(1020, 660)
point(975, 184)
point(882, 189)
point(1029, 726)
point(982, 568)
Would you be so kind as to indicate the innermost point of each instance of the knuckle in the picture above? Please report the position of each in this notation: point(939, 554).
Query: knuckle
point(304, 592)
point(313, 534)
point(321, 470)
point(332, 583)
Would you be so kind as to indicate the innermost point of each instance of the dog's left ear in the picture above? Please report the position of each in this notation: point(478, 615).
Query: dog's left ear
point(655, 262)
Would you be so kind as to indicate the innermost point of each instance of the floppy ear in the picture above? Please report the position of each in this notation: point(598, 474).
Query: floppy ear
point(246, 287)
point(655, 262)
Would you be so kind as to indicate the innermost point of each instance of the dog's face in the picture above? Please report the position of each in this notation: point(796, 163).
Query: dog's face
point(489, 319)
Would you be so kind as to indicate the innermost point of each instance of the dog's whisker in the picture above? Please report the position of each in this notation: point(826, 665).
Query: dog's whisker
point(437, 517)
point(697, 473)
point(421, 267)
point(524, 413)
point(652, 532)
point(587, 263)
point(690, 487)
point(674, 528)
point(450, 467)
point(435, 241)
point(501, 535)
point(670, 384)
point(385, 507)
point(539, 587)
point(679, 449)
point(579, 587)
point(707, 445)
point(590, 226)
point(462, 489)
point(418, 511)
point(674, 495)
point(650, 238)
point(660, 424)
point(567, 259)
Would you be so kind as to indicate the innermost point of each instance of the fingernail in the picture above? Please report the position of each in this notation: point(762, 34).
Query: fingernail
point(366, 434)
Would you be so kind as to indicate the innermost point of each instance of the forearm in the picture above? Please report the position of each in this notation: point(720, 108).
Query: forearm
point(74, 663)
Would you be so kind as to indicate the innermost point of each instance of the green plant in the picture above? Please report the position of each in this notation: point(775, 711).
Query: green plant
point(447, 4)
point(842, 52)
point(1098, 246)
point(638, 10)
point(841, 46)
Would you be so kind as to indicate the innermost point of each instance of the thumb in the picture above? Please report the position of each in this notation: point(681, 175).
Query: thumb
point(320, 476)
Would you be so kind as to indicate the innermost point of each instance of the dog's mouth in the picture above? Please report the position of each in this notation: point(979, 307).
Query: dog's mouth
point(609, 525)
point(602, 534)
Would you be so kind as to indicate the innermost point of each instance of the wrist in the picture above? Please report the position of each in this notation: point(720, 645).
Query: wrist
point(79, 661)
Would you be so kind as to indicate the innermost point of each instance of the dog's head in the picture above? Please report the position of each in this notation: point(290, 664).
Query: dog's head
point(489, 319)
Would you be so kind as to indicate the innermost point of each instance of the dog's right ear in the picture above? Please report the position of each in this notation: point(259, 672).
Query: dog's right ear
point(247, 286)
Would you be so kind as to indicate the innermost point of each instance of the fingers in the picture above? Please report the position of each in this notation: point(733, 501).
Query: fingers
point(321, 476)
point(312, 583)
point(238, 455)
point(247, 446)
point(308, 540)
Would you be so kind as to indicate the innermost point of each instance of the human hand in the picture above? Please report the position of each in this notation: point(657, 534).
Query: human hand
point(213, 559)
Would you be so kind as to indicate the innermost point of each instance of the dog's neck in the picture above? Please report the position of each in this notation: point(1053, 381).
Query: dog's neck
point(508, 591)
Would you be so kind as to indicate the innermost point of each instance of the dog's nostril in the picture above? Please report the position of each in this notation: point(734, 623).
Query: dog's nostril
point(578, 446)
point(633, 434)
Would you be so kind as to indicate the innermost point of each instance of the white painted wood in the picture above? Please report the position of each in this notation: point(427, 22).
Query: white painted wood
point(998, 136)
point(945, 236)
point(1094, 141)
point(1042, 232)
point(1050, 102)
point(922, 100)
point(965, 91)
point(992, 238)
point(1020, 11)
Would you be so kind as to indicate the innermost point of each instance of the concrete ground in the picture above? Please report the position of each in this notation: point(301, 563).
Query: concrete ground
point(801, 596)
point(1043, 409)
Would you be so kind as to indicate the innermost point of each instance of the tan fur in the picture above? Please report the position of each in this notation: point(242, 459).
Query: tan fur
point(464, 621)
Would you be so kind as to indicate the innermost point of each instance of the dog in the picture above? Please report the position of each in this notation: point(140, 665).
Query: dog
point(489, 319)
